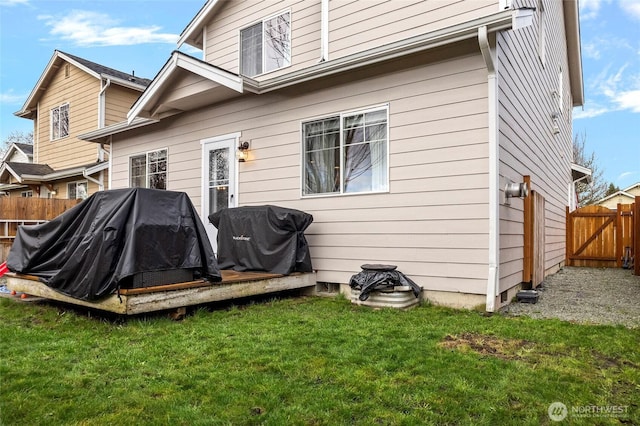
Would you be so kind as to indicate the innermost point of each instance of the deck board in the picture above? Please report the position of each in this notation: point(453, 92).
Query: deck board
point(234, 285)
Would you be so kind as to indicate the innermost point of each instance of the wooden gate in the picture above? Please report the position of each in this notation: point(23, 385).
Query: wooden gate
point(600, 237)
point(534, 238)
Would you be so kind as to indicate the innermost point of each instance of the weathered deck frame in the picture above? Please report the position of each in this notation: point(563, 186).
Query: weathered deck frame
point(234, 285)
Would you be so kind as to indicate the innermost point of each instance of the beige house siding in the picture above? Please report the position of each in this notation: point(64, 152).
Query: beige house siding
point(528, 145)
point(354, 26)
point(118, 101)
point(433, 223)
point(612, 203)
point(80, 91)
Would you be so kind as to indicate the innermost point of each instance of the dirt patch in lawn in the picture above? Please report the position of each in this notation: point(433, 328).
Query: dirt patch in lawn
point(508, 349)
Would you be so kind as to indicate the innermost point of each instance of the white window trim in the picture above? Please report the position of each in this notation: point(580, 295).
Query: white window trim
point(51, 138)
point(263, 43)
point(204, 166)
point(341, 115)
point(76, 182)
point(146, 169)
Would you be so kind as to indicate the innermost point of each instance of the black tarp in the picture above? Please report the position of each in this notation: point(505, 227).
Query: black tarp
point(88, 250)
point(263, 238)
point(380, 277)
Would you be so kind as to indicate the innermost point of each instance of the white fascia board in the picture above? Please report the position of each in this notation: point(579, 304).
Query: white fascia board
point(631, 187)
point(37, 88)
point(97, 168)
point(79, 65)
point(581, 169)
point(153, 89)
point(232, 81)
point(197, 23)
point(113, 129)
point(125, 83)
point(498, 21)
point(77, 171)
point(6, 167)
point(182, 60)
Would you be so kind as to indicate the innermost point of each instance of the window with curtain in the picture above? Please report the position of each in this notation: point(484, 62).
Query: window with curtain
point(60, 122)
point(148, 170)
point(77, 190)
point(266, 46)
point(346, 153)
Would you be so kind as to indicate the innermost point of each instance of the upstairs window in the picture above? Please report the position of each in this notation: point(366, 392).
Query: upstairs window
point(148, 170)
point(266, 46)
point(60, 122)
point(346, 153)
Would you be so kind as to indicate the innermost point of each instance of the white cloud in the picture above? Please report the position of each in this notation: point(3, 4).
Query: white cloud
point(87, 28)
point(589, 9)
point(593, 48)
point(590, 112)
point(629, 100)
point(12, 98)
point(631, 7)
point(13, 2)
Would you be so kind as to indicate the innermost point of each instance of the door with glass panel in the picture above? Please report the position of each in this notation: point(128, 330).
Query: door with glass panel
point(219, 181)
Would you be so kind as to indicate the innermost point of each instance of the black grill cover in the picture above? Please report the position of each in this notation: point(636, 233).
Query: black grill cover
point(263, 238)
point(88, 250)
point(380, 277)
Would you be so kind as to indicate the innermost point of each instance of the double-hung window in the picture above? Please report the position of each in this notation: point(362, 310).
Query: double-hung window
point(346, 153)
point(60, 122)
point(266, 46)
point(149, 170)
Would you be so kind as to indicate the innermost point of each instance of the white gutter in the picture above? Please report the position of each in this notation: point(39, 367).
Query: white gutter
point(324, 31)
point(494, 179)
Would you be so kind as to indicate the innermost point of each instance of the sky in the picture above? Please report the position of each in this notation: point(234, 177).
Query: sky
point(139, 35)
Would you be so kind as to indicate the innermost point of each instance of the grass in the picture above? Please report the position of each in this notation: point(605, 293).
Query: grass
point(309, 361)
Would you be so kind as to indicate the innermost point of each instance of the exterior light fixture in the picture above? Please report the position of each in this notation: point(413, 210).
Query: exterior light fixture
point(243, 152)
point(554, 123)
point(517, 190)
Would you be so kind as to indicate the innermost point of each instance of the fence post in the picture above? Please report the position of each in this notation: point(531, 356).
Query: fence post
point(618, 225)
point(636, 235)
point(569, 242)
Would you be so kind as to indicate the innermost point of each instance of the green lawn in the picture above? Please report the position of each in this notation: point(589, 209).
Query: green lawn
point(310, 361)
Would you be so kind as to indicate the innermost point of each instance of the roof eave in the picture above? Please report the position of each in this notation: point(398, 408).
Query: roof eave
point(574, 55)
point(192, 34)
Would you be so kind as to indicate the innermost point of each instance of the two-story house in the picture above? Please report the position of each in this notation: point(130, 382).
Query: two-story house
point(72, 96)
point(398, 124)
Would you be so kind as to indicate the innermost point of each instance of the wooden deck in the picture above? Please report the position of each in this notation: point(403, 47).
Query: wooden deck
point(234, 285)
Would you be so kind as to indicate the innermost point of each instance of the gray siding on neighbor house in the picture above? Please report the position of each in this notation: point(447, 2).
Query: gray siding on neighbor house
point(433, 223)
point(527, 143)
point(354, 26)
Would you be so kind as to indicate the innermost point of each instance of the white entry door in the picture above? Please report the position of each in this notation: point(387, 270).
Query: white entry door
point(219, 179)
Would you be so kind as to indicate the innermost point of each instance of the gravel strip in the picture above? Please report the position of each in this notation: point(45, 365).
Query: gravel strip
point(586, 295)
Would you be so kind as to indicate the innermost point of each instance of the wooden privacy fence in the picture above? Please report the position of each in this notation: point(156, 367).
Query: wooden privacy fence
point(26, 211)
point(601, 237)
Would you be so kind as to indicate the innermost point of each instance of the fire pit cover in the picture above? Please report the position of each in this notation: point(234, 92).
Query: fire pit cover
point(263, 238)
point(380, 277)
point(88, 250)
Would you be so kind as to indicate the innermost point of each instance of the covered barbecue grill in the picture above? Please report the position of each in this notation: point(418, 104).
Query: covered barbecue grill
point(117, 239)
point(263, 238)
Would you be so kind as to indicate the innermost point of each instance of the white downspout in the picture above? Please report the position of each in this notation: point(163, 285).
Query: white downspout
point(324, 31)
point(494, 179)
point(102, 104)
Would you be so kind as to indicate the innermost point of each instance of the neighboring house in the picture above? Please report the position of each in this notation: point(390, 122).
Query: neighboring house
point(17, 153)
point(626, 196)
point(72, 96)
point(396, 124)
